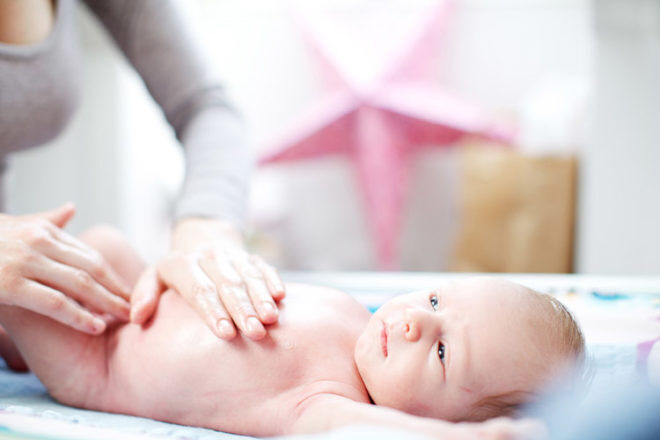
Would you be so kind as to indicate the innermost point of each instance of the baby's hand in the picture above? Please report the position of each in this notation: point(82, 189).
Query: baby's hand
point(501, 428)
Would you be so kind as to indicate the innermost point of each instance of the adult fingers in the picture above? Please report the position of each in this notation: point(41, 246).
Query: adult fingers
point(234, 294)
point(59, 216)
point(258, 289)
point(77, 284)
point(184, 275)
point(68, 250)
point(49, 302)
point(270, 275)
point(146, 293)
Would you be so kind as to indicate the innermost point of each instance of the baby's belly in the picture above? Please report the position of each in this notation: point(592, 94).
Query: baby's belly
point(176, 370)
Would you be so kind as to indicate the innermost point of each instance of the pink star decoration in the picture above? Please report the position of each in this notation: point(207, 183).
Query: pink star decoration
point(380, 124)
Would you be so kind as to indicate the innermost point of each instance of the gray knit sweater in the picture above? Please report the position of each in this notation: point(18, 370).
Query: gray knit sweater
point(38, 88)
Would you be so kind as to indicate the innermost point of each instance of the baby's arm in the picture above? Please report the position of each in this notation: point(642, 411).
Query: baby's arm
point(323, 412)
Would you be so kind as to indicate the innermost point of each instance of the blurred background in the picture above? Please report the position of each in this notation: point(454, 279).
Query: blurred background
point(576, 189)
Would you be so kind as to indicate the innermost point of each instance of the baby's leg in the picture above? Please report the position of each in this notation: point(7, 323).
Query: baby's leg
point(116, 250)
point(72, 365)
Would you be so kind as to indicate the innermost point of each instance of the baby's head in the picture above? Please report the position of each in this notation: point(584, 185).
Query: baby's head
point(470, 350)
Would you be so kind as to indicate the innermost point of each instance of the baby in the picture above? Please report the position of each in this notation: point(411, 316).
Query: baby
point(467, 351)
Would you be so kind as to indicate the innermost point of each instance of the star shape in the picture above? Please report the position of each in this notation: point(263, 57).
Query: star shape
point(381, 122)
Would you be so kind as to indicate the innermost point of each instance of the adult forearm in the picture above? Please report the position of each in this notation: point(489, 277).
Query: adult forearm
point(218, 167)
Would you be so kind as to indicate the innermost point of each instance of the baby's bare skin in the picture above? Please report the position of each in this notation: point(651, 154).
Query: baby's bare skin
point(302, 378)
point(174, 369)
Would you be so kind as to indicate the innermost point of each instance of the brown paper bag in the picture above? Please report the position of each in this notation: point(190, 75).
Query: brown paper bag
point(517, 212)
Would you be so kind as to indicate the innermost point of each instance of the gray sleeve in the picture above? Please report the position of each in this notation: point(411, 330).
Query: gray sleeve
point(158, 45)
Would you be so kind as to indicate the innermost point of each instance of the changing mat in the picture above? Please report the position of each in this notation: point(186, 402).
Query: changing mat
point(620, 317)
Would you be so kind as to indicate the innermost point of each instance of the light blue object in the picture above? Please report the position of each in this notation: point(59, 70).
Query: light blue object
point(617, 410)
point(610, 296)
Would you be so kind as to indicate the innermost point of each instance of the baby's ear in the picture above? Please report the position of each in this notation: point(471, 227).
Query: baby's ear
point(483, 412)
point(504, 405)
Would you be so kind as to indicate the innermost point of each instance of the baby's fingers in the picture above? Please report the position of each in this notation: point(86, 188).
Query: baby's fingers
point(531, 429)
point(503, 428)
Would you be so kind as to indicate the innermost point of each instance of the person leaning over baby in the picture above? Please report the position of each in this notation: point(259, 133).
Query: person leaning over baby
point(47, 270)
point(467, 351)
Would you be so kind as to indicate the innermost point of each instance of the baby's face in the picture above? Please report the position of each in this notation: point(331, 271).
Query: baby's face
point(436, 353)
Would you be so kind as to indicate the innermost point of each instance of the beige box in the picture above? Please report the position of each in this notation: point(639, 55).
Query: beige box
point(517, 211)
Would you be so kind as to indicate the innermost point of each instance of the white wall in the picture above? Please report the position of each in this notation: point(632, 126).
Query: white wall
point(496, 52)
point(619, 229)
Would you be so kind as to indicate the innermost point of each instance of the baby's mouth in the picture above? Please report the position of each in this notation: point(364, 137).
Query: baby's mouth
point(383, 339)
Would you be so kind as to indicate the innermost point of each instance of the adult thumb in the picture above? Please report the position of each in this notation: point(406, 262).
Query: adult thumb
point(145, 295)
point(59, 216)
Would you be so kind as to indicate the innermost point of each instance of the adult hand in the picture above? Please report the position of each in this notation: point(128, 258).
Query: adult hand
point(208, 265)
point(46, 270)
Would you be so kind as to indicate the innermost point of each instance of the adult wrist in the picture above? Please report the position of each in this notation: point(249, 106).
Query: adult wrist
point(195, 233)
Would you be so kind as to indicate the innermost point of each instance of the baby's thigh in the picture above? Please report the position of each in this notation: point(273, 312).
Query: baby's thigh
point(72, 365)
point(116, 250)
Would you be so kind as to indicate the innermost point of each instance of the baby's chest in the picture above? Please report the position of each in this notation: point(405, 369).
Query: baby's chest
point(240, 386)
point(293, 355)
point(304, 371)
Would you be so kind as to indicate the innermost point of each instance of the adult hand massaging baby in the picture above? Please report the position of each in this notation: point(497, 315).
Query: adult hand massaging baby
point(47, 270)
point(469, 350)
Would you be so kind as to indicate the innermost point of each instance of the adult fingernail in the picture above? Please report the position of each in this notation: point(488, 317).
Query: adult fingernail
point(253, 325)
point(97, 326)
point(124, 310)
point(279, 288)
point(225, 328)
point(137, 310)
point(268, 310)
point(133, 315)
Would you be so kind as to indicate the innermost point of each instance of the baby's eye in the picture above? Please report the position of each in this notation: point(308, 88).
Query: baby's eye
point(441, 352)
point(434, 301)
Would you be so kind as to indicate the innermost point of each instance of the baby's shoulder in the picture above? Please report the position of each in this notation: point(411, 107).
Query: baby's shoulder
point(326, 299)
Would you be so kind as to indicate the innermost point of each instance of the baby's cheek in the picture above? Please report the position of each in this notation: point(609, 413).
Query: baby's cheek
point(361, 356)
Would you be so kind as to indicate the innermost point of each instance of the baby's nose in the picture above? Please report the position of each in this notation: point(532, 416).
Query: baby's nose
point(415, 321)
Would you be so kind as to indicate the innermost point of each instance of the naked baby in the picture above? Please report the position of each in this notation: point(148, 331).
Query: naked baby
point(466, 351)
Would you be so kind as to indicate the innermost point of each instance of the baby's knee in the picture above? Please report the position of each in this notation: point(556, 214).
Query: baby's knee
point(116, 250)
